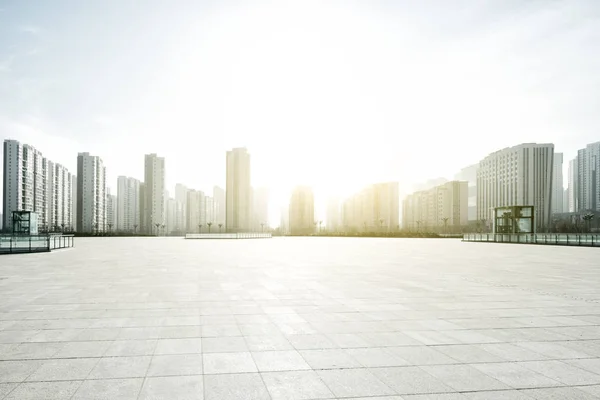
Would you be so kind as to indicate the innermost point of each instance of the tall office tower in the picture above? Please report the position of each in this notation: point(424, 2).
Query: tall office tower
point(219, 199)
point(91, 194)
point(444, 208)
point(24, 182)
point(517, 176)
point(588, 178)
point(154, 189)
point(557, 184)
point(238, 193)
point(73, 222)
point(572, 186)
point(302, 211)
point(111, 211)
point(128, 204)
point(196, 211)
point(333, 217)
point(59, 196)
point(469, 174)
point(376, 208)
point(260, 205)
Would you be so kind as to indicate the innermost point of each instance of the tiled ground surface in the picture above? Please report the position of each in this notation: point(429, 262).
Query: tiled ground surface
point(301, 318)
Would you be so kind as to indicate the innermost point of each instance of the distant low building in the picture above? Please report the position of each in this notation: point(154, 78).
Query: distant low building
point(443, 208)
point(376, 208)
point(302, 211)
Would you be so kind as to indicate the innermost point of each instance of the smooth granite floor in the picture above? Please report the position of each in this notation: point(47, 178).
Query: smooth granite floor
point(300, 318)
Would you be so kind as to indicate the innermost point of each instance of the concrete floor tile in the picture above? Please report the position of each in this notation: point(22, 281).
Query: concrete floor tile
point(173, 387)
point(228, 363)
point(45, 390)
point(120, 367)
point(63, 369)
point(234, 387)
point(109, 389)
point(176, 364)
point(296, 385)
point(354, 383)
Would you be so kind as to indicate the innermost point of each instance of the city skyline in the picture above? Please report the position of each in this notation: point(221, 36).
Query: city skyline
point(374, 82)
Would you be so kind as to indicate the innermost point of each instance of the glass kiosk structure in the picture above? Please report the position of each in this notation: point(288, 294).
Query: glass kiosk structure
point(514, 220)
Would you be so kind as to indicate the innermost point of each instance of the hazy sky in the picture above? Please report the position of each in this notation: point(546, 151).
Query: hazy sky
point(333, 94)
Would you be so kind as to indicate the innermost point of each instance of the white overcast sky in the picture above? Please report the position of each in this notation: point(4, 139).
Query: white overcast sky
point(334, 94)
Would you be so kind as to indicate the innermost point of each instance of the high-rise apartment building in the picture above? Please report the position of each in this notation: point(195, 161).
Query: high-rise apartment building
point(180, 207)
point(111, 211)
point(238, 191)
point(444, 208)
point(220, 210)
point(196, 211)
point(517, 176)
point(91, 194)
point(469, 174)
point(59, 196)
point(153, 194)
point(572, 186)
point(333, 217)
point(376, 208)
point(25, 182)
point(302, 211)
point(588, 178)
point(73, 223)
point(128, 204)
point(260, 205)
point(558, 190)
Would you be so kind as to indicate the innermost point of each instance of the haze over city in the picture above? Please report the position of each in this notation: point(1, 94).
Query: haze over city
point(334, 95)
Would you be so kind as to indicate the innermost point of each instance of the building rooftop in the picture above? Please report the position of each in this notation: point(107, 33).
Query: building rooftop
point(311, 318)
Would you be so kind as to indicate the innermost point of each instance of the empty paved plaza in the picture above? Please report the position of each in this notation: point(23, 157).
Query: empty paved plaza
point(300, 318)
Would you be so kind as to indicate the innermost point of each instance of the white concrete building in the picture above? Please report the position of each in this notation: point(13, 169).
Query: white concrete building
point(59, 197)
point(111, 211)
point(572, 186)
point(73, 222)
point(517, 176)
point(24, 183)
point(376, 208)
point(196, 212)
point(91, 194)
point(302, 211)
point(558, 190)
point(220, 209)
point(180, 207)
point(588, 178)
point(469, 174)
point(444, 208)
point(209, 210)
point(128, 204)
point(154, 201)
point(238, 192)
point(284, 223)
point(333, 215)
point(260, 205)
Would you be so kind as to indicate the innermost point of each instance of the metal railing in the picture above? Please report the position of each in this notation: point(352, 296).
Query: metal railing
point(10, 244)
point(561, 239)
